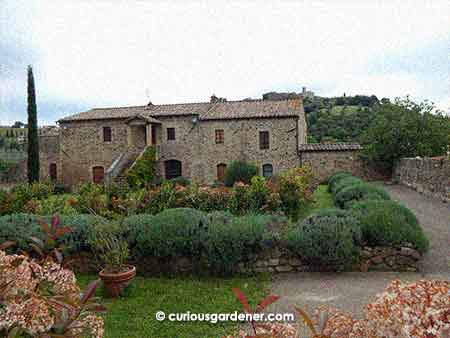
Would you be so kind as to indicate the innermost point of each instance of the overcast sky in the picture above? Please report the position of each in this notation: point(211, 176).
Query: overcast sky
point(119, 53)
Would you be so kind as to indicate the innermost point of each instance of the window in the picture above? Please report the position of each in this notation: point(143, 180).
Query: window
point(263, 140)
point(170, 134)
point(172, 169)
point(98, 175)
point(107, 134)
point(267, 170)
point(53, 172)
point(221, 168)
point(219, 136)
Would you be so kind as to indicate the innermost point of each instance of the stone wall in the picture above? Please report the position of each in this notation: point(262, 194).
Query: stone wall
point(430, 176)
point(326, 163)
point(48, 154)
point(271, 260)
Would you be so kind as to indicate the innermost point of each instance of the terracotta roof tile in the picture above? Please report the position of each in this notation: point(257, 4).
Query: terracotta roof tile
point(205, 110)
point(329, 147)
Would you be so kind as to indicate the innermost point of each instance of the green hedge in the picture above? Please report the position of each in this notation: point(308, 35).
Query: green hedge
point(228, 242)
point(359, 192)
point(389, 223)
point(344, 183)
point(335, 178)
point(328, 239)
point(173, 232)
point(19, 228)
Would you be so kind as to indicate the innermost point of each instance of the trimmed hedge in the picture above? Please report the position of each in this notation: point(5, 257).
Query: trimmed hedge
point(335, 178)
point(173, 232)
point(328, 239)
point(389, 223)
point(359, 192)
point(344, 183)
point(228, 242)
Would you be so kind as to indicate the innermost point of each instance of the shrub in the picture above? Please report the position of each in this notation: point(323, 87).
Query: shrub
point(82, 232)
point(210, 199)
point(6, 206)
point(328, 239)
point(160, 199)
point(143, 171)
point(389, 223)
point(240, 202)
point(239, 171)
point(21, 194)
point(229, 242)
point(137, 226)
point(344, 182)
point(333, 179)
point(19, 228)
point(183, 181)
point(258, 193)
point(295, 190)
point(173, 232)
point(58, 204)
point(359, 192)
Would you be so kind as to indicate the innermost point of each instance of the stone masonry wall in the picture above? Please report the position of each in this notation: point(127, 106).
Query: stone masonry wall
point(430, 176)
point(48, 154)
point(271, 260)
point(82, 146)
point(326, 163)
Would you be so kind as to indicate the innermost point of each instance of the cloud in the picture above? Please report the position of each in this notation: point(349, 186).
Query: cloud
point(114, 52)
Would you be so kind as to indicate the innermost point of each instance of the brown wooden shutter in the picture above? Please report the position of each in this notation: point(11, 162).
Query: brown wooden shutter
point(221, 168)
point(107, 134)
point(264, 140)
point(98, 175)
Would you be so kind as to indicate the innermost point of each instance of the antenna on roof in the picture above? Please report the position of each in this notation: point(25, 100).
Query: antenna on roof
point(147, 95)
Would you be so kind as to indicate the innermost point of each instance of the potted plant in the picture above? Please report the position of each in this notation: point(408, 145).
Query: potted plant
point(113, 253)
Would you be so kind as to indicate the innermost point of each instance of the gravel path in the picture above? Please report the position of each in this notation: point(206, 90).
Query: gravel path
point(350, 291)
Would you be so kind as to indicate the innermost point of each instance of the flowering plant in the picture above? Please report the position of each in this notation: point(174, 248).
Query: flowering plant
point(44, 300)
point(419, 309)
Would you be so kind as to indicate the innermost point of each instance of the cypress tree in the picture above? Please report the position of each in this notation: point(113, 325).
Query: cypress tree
point(33, 142)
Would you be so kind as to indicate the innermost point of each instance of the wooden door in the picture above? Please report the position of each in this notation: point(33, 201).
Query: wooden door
point(98, 175)
point(221, 168)
point(53, 172)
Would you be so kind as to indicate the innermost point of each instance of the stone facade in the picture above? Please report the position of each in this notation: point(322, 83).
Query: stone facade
point(430, 176)
point(49, 152)
point(82, 146)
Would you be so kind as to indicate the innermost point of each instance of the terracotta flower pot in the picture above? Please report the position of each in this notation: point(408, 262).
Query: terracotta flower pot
point(115, 282)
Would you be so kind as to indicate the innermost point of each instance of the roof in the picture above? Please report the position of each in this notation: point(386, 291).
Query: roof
point(205, 110)
point(329, 147)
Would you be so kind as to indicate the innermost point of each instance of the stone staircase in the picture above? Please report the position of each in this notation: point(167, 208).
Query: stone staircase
point(117, 171)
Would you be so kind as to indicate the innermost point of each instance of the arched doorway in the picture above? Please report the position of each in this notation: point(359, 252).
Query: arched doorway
point(221, 168)
point(172, 169)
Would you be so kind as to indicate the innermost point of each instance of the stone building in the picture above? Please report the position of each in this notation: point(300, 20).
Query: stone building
point(193, 140)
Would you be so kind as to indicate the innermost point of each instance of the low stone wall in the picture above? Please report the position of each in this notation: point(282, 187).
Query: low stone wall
point(271, 260)
point(325, 163)
point(430, 176)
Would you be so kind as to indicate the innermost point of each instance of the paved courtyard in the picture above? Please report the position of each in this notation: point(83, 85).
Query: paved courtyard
point(350, 291)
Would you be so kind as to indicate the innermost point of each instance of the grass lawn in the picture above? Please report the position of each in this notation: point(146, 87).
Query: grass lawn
point(134, 315)
point(322, 199)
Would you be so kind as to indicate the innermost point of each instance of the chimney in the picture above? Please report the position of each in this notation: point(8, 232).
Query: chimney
point(214, 98)
point(304, 90)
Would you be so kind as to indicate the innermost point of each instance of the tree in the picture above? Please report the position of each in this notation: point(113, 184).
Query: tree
point(33, 141)
point(18, 124)
point(405, 129)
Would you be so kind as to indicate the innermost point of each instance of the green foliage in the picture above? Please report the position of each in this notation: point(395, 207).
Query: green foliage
point(82, 232)
point(180, 180)
point(295, 190)
point(335, 178)
point(344, 182)
point(240, 202)
point(58, 204)
point(110, 248)
point(258, 193)
point(389, 223)
point(21, 194)
point(405, 129)
point(164, 197)
point(33, 142)
point(173, 232)
point(136, 228)
point(359, 192)
point(340, 119)
point(229, 242)
point(328, 239)
point(239, 171)
point(143, 172)
point(19, 228)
